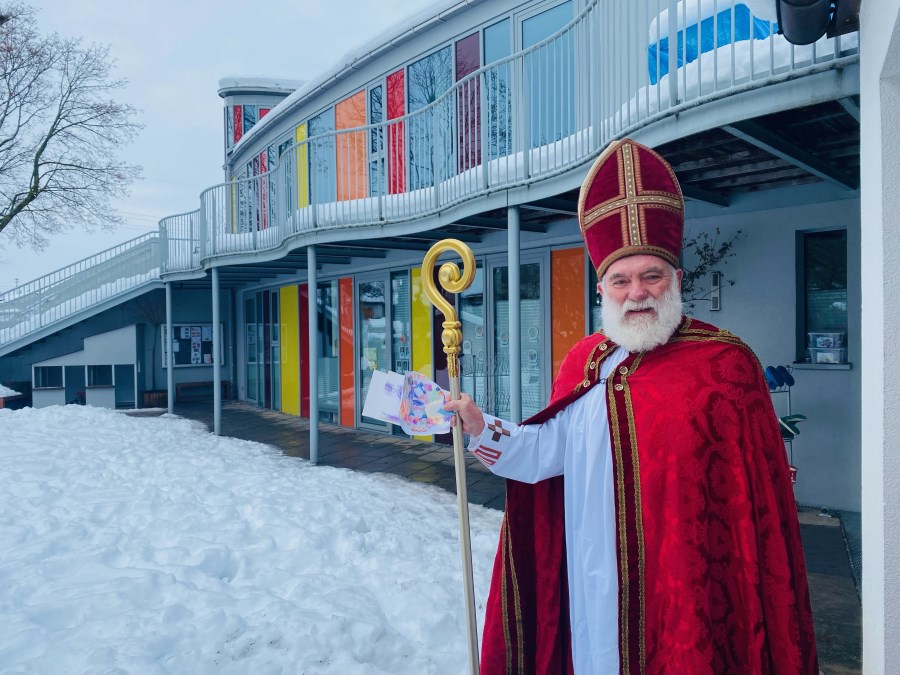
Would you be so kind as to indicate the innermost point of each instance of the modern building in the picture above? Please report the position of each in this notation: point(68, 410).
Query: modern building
point(301, 272)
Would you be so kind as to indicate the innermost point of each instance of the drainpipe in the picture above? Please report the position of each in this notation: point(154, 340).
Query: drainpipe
point(217, 355)
point(515, 322)
point(313, 355)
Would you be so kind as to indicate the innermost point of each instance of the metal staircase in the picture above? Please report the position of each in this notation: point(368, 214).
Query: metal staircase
point(62, 298)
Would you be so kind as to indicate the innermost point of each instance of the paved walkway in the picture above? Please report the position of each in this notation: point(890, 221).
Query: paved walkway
point(836, 605)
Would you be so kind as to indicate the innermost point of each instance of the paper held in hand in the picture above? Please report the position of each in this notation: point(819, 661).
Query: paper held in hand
point(411, 401)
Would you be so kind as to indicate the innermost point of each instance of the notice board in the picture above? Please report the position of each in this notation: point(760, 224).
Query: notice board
point(192, 345)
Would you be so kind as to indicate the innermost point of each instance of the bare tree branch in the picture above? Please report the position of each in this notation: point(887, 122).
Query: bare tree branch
point(60, 130)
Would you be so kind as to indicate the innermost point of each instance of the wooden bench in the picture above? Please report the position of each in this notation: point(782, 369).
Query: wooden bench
point(181, 394)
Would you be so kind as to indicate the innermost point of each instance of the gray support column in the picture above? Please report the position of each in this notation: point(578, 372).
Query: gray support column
point(217, 355)
point(170, 370)
point(313, 342)
point(880, 316)
point(515, 321)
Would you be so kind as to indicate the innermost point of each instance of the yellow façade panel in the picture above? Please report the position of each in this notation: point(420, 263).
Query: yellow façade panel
point(290, 350)
point(302, 167)
point(421, 330)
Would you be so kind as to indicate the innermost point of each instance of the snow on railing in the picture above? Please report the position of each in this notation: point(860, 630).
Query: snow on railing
point(537, 113)
point(70, 290)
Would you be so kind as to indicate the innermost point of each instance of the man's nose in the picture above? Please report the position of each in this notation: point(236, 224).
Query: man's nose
point(638, 292)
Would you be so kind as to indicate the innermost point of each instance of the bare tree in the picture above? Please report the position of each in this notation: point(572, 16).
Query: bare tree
point(59, 132)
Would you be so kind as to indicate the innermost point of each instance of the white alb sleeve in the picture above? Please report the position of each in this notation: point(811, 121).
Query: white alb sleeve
point(525, 453)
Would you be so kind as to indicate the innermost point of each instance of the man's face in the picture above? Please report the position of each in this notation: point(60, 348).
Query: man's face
point(637, 278)
point(641, 302)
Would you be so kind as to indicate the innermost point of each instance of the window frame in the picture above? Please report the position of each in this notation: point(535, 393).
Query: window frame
point(802, 328)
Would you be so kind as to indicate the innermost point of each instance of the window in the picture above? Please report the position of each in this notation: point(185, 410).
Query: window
point(550, 74)
point(594, 299)
point(322, 168)
point(428, 79)
point(376, 141)
point(468, 103)
point(100, 376)
point(822, 297)
point(497, 45)
point(48, 377)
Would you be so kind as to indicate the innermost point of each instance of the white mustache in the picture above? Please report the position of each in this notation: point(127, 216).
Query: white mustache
point(637, 305)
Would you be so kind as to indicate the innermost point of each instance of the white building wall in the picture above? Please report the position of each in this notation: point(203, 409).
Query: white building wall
point(762, 308)
point(113, 347)
point(880, 157)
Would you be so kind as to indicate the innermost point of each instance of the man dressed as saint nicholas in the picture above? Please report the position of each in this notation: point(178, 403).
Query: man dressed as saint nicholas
point(650, 525)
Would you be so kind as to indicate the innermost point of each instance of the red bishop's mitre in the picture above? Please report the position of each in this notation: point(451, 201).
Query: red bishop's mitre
point(630, 204)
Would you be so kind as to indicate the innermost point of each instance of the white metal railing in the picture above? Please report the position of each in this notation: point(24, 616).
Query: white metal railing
point(76, 287)
point(545, 110)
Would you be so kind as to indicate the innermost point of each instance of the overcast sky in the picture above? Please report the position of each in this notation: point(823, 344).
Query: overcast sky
point(173, 54)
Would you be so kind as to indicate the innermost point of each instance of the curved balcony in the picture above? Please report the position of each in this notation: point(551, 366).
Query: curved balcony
point(519, 122)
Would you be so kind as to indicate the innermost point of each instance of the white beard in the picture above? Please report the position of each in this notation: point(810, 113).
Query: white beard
point(642, 332)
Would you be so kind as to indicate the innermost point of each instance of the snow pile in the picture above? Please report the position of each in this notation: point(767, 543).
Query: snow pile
point(6, 391)
point(147, 545)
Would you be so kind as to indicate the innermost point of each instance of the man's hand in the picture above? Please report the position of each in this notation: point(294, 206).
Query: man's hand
point(468, 412)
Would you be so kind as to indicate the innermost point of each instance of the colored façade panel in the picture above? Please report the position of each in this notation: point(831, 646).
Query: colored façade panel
point(290, 350)
point(303, 306)
point(396, 153)
point(302, 167)
point(567, 301)
point(468, 105)
point(345, 300)
point(351, 147)
point(238, 116)
point(421, 313)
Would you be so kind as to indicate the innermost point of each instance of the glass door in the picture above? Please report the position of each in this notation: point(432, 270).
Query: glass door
point(474, 366)
point(250, 348)
point(327, 312)
point(372, 345)
point(275, 348)
point(532, 337)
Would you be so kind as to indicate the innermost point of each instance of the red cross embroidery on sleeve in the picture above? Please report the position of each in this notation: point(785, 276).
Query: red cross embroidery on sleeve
point(497, 428)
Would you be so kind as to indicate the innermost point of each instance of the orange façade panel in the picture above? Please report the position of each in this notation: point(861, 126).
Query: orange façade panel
point(566, 301)
point(351, 147)
point(345, 300)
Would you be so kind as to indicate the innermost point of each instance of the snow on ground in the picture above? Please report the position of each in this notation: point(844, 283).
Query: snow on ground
point(6, 391)
point(147, 545)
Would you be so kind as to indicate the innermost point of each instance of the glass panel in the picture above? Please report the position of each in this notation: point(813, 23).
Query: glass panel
point(474, 366)
point(327, 311)
point(401, 328)
point(468, 103)
point(825, 302)
point(100, 376)
point(497, 45)
point(372, 338)
point(286, 169)
point(396, 97)
point(249, 117)
point(261, 329)
point(531, 339)
point(351, 147)
point(48, 376)
point(594, 296)
point(322, 159)
point(550, 74)
point(376, 141)
point(276, 353)
point(250, 347)
point(428, 79)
